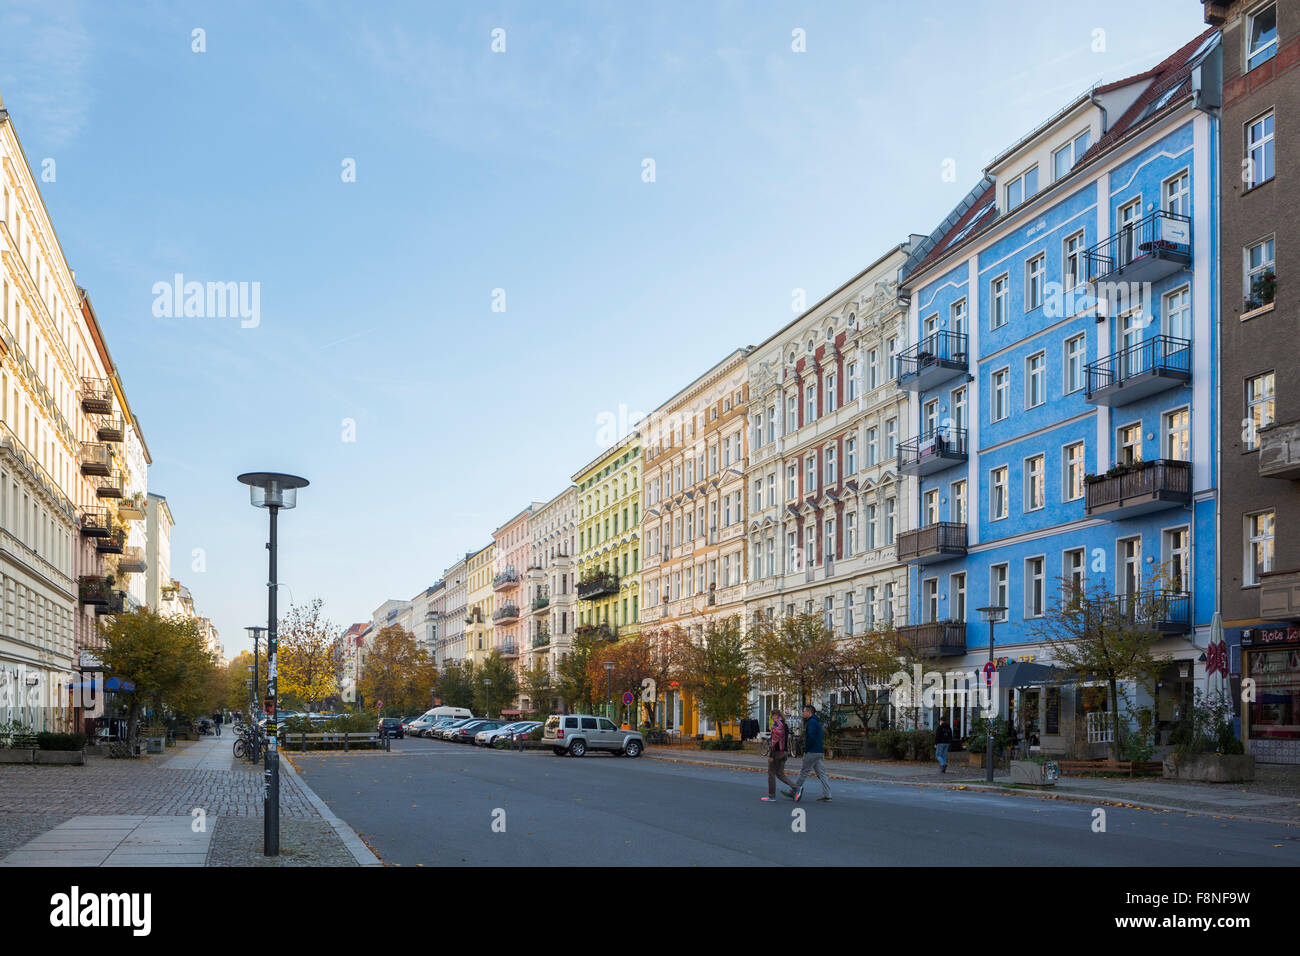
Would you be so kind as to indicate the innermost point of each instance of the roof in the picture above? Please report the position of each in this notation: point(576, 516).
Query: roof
point(1168, 82)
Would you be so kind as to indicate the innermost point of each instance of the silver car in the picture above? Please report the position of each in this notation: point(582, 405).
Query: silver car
point(575, 734)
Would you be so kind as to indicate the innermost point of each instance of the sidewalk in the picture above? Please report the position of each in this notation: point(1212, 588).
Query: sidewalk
point(195, 805)
point(1273, 798)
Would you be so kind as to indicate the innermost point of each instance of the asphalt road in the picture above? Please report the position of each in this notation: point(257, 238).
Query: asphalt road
point(431, 803)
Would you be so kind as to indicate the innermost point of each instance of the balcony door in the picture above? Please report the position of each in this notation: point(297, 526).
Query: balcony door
point(1130, 337)
point(1176, 559)
point(930, 600)
point(1127, 249)
point(1130, 570)
point(958, 406)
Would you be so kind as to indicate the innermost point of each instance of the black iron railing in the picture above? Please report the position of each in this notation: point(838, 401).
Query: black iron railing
point(1161, 354)
point(1159, 235)
point(938, 348)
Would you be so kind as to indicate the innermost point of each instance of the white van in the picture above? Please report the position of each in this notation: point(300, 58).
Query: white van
point(428, 718)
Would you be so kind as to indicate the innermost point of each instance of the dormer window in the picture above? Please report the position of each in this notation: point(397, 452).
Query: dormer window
point(1261, 37)
point(1063, 159)
point(1022, 187)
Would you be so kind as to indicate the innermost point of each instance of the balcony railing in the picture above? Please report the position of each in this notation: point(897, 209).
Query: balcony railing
point(93, 589)
point(112, 543)
point(938, 638)
point(543, 639)
point(96, 458)
point(132, 561)
point(116, 603)
point(96, 396)
point(110, 429)
point(110, 487)
point(506, 613)
point(1163, 610)
point(1157, 245)
point(935, 359)
point(936, 542)
point(505, 580)
point(96, 523)
point(602, 631)
point(1279, 451)
point(509, 649)
point(1146, 368)
point(1137, 489)
point(598, 585)
point(541, 601)
point(932, 451)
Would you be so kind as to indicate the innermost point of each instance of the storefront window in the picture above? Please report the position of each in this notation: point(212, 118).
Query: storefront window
point(1275, 713)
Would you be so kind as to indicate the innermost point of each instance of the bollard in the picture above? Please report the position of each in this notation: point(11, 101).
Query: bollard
point(345, 742)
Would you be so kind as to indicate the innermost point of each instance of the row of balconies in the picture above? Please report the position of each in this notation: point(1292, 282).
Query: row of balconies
point(506, 614)
point(505, 580)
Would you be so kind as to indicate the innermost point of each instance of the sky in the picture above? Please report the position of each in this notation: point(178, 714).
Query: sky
point(460, 256)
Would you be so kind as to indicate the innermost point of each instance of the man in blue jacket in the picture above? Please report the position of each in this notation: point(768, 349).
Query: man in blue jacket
point(814, 752)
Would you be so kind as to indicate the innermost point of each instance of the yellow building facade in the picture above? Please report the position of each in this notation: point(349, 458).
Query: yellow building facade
point(609, 546)
point(479, 605)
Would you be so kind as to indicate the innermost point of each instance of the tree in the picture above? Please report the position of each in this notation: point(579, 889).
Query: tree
point(573, 682)
point(538, 687)
point(715, 670)
point(504, 688)
point(397, 671)
point(164, 658)
point(792, 655)
point(455, 687)
point(1095, 634)
point(235, 680)
point(862, 665)
point(309, 668)
point(635, 659)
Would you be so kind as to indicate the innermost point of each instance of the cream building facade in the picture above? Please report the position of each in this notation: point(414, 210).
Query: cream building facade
point(479, 604)
point(551, 579)
point(450, 645)
point(158, 549)
point(826, 500)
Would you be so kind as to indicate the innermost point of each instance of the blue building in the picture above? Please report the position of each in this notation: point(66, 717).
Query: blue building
point(1063, 428)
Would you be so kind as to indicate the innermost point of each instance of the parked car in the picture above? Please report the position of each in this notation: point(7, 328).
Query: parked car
point(519, 731)
point(442, 723)
point(391, 727)
point(489, 735)
point(575, 734)
point(440, 733)
point(464, 733)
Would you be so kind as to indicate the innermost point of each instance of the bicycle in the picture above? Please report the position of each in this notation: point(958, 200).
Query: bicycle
point(248, 745)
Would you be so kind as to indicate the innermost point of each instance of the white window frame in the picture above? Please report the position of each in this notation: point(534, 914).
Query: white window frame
point(1265, 402)
point(1069, 466)
point(999, 293)
point(1034, 479)
point(1000, 393)
point(1035, 586)
point(1081, 357)
point(1270, 47)
point(1038, 387)
point(1035, 274)
point(1250, 571)
point(998, 491)
point(1266, 144)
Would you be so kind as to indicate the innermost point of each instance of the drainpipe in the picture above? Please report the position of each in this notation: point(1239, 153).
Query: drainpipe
point(1092, 98)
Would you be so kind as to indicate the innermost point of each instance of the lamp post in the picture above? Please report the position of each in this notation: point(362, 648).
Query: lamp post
point(487, 697)
point(609, 680)
point(273, 492)
point(993, 614)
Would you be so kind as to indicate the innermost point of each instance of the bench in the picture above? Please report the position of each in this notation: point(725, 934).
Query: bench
point(1130, 768)
point(347, 739)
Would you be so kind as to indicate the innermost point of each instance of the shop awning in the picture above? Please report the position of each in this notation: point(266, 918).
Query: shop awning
point(1029, 674)
point(111, 685)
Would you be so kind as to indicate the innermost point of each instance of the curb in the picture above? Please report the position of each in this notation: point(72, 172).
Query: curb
point(985, 788)
point(355, 845)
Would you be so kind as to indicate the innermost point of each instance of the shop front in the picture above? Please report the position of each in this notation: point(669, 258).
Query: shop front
point(1270, 693)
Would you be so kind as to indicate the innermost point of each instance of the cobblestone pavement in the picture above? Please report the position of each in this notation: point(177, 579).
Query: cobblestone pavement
point(17, 828)
point(238, 841)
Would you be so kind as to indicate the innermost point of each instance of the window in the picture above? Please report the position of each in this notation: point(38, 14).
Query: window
point(1177, 313)
point(850, 533)
point(1072, 571)
point(889, 602)
point(811, 394)
point(791, 482)
point(891, 438)
point(830, 392)
point(1034, 587)
point(1129, 444)
point(1035, 380)
point(851, 456)
point(810, 475)
point(889, 521)
point(1073, 470)
point(1035, 269)
point(853, 381)
point(771, 490)
point(872, 449)
point(957, 322)
point(791, 414)
point(1075, 351)
point(1063, 159)
point(869, 608)
point(831, 477)
point(829, 552)
point(998, 493)
point(848, 612)
point(1072, 259)
point(1261, 36)
point(957, 501)
point(1176, 559)
point(930, 506)
point(1176, 437)
point(873, 369)
point(1259, 547)
point(1259, 406)
point(758, 495)
point(1176, 196)
point(1259, 264)
point(929, 600)
point(957, 591)
point(998, 585)
point(871, 527)
point(809, 548)
point(998, 295)
point(1034, 481)
point(1001, 405)
point(1259, 150)
point(1022, 188)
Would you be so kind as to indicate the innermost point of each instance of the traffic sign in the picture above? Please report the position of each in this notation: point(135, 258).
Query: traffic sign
point(989, 669)
point(628, 698)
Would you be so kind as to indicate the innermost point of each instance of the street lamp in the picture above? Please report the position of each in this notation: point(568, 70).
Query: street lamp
point(994, 614)
point(487, 696)
point(609, 679)
point(273, 492)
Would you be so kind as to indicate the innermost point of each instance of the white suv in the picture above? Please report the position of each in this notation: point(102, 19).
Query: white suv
point(575, 734)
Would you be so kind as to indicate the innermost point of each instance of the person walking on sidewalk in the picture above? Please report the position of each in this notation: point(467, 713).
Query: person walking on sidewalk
point(216, 720)
point(814, 753)
point(942, 741)
point(778, 751)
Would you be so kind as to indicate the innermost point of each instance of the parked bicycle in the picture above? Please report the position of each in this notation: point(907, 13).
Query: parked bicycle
point(248, 745)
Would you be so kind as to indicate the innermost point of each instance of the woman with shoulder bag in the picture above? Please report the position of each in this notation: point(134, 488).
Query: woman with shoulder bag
point(778, 751)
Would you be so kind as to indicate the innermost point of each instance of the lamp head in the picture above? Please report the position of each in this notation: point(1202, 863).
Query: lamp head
point(268, 489)
point(993, 614)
